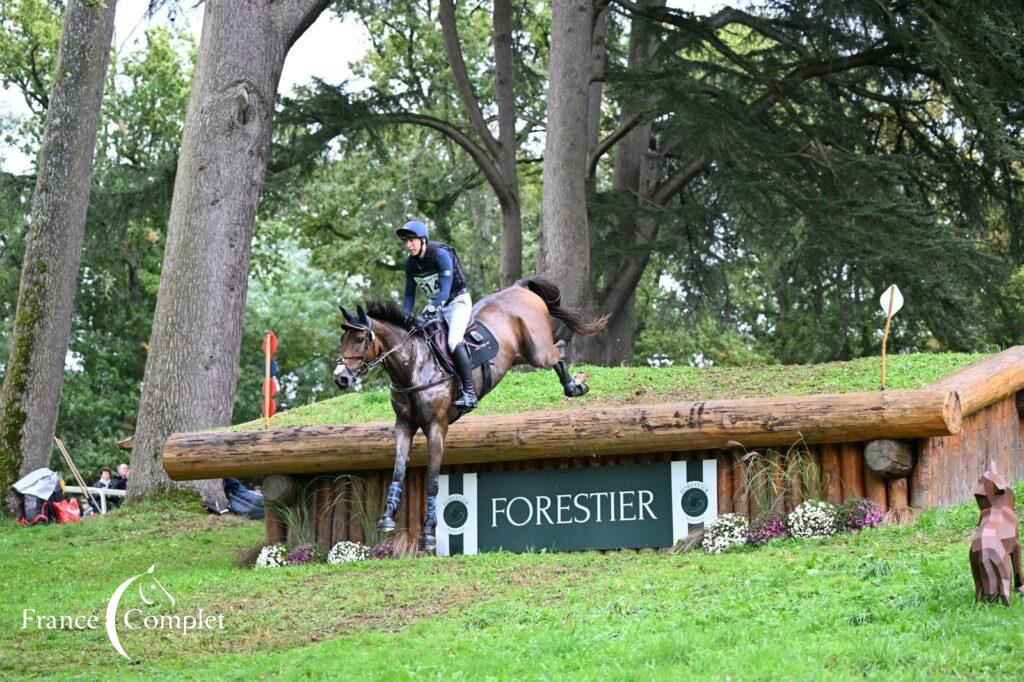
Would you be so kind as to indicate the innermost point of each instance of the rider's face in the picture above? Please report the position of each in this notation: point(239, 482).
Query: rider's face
point(413, 245)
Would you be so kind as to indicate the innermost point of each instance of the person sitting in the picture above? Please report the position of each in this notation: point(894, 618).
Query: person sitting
point(87, 510)
point(434, 267)
point(120, 482)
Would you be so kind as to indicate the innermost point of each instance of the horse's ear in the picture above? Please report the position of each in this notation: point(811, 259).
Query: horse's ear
point(362, 315)
point(347, 314)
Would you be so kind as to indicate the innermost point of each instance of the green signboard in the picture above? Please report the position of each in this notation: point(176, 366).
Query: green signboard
point(609, 507)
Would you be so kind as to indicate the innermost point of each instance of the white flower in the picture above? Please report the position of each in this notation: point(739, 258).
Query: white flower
point(346, 551)
point(271, 556)
point(727, 530)
point(813, 520)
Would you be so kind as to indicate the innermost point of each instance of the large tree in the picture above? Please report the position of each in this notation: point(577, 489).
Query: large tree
point(192, 368)
point(34, 374)
point(565, 234)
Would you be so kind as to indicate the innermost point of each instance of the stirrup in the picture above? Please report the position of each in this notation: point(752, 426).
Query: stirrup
point(466, 400)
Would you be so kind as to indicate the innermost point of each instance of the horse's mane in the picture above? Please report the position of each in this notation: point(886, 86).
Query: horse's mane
point(389, 311)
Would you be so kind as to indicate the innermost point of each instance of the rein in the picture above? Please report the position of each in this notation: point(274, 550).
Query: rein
point(365, 367)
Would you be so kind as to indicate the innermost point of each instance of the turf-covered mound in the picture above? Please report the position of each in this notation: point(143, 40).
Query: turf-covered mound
point(539, 390)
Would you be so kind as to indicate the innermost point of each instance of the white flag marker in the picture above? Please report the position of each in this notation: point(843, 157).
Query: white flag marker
point(891, 302)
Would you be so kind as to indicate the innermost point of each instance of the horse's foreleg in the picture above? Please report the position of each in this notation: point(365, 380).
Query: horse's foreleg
point(403, 438)
point(570, 386)
point(435, 445)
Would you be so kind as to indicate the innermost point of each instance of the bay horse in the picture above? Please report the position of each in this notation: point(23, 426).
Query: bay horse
point(521, 319)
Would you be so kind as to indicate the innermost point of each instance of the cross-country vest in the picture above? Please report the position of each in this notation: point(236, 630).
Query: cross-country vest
point(426, 272)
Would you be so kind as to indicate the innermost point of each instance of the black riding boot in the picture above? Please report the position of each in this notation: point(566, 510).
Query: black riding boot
point(467, 396)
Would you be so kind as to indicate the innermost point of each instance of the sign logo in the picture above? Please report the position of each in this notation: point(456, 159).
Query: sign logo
point(638, 505)
point(151, 592)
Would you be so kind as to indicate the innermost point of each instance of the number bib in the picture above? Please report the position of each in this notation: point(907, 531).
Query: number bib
point(429, 284)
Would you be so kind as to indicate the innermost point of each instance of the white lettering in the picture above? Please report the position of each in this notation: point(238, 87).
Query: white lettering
point(25, 618)
point(623, 505)
point(598, 496)
point(127, 617)
point(529, 511)
point(646, 504)
point(494, 510)
point(576, 502)
point(543, 509)
point(562, 507)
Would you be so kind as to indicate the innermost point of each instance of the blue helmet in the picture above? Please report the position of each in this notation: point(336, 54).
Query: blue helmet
point(413, 228)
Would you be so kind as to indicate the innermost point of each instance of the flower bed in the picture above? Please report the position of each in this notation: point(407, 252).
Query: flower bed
point(812, 519)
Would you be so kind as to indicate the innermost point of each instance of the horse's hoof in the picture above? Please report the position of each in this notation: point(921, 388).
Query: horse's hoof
point(385, 525)
point(428, 543)
point(576, 389)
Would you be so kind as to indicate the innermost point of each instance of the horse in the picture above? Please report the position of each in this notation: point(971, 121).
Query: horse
point(521, 319)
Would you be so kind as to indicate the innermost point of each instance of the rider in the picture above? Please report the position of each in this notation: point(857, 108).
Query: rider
point(434, 267)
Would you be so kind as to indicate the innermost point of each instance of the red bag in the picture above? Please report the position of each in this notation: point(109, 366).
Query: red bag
point(67, 511)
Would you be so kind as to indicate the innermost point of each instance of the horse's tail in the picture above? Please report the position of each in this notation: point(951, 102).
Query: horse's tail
point(552, 297)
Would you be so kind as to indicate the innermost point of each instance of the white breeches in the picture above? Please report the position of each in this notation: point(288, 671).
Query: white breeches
point(457, 314)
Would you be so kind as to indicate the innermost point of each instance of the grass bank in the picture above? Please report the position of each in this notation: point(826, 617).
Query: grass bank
point(539, 390)
point(893, 602)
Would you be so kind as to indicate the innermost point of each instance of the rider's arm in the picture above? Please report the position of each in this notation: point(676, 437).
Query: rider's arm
point(410, 294)
point(445, 268)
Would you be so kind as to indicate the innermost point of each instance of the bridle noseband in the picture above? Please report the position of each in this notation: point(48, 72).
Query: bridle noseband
point(364, 366)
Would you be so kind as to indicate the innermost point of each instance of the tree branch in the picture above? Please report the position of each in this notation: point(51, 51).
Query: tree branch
point(450, 34)
point(293, 17)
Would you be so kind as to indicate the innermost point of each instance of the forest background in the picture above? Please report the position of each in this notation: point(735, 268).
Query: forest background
point(755, 178)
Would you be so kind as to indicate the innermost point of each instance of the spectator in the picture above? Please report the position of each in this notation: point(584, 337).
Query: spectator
point(105, 480)
point(243, 501)
point(86, 508)
point(120, 483)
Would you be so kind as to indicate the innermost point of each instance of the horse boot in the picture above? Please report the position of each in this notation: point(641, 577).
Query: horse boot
point(428, 540)
point(387, 520)
point(467, 395)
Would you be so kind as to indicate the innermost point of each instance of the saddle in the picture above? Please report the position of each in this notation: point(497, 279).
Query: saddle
point(482, 345)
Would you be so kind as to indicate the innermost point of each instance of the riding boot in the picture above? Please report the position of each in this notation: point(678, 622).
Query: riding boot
point(467, 396)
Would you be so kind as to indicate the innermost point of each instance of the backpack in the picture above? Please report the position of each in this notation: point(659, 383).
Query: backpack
point(34, 510)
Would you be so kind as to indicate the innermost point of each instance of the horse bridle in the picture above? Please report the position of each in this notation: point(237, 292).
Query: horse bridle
point(365, 367)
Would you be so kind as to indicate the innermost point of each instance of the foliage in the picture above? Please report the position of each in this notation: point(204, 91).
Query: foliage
point(858, 513)
point(767, 528)
point(813, 519)
point(727, 531)
point(346, 551)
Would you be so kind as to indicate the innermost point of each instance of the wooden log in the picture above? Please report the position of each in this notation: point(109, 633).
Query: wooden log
point(341, 502)
point(741, 492)
point(831, 474)
point(987, 381)
point(725, 490)
point(325, 513)
point(852, 466)
point(898, 493)
point(617, 431)
point(274, 525)
point(889, 458)
point(874, 487)
point(280, 488)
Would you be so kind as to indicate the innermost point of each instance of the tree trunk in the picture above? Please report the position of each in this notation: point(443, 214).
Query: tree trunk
point(634, 175)
point(508, 145)
point(192, 368)
point(565, 235)
point(49, 278)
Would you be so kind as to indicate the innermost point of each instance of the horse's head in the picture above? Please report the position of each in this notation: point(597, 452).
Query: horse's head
point(359, 347)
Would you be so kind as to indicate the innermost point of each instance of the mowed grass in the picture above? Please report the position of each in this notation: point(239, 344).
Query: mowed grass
point(540, 390)
point(892, 603)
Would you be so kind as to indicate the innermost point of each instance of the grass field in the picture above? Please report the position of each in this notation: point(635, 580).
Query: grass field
point(539, 390)
point(893, 603)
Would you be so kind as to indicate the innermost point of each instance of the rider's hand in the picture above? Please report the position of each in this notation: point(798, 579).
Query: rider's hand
point(428, 316)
